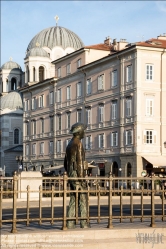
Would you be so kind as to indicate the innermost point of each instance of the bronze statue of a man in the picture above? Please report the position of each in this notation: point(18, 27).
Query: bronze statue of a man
point(74, 165)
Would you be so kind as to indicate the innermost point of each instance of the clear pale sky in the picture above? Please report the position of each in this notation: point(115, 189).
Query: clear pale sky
point(92, 21)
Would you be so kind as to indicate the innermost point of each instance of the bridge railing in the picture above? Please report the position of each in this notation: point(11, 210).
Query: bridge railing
point(109, 187)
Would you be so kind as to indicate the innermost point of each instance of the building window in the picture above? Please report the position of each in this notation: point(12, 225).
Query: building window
point(26, 105)
point(68, 92)
point(88, 143)
point(33, 149)
point(79, 63)
point(149, 107)
point(129, 73)
point(67, 141)
point(51, 98)
point(33, 103)
point(149, 136)
point(34, 74)
point(41, 101)
point(41, 73)
point(51, 123)
point(59, 146)
point(59, 95)
point(114, 110)
point(101, 141)
point(34, 127)
point(27, 149)
point(101, 82)
point(79, 90)
point(42, 148)
point(59, 72)
point(59, 122)
point(79, 114)
point(129, 137)
point(27, 129)
point(101, 113)
point(128, 107)
point(88, 86)
point(42, 125)
point(51, 147)
point(114, 138)
point(68, 68)
point(149, 72)
point(88, 116)
point(13, 84)
point(114, 78)
point(16, 136)
point(68, 114)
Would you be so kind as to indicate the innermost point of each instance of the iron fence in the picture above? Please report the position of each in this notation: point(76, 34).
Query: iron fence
point(109, 187)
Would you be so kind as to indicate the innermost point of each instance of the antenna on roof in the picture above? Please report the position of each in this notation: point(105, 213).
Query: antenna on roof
point(56, 19)
point(142, 37)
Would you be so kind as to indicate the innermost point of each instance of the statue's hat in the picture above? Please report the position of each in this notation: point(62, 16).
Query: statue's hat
point(78, 127)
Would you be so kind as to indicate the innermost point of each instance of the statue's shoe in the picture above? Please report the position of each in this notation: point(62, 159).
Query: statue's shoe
point(85, 226)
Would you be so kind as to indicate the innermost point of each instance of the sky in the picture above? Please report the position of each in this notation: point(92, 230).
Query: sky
point(92, 21)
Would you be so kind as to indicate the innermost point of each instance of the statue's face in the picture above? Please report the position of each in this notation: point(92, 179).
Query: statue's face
point(82, 133)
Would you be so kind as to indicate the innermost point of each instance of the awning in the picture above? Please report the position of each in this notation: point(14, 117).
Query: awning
point(156, 161)
point(91, 166)
point(54, 168)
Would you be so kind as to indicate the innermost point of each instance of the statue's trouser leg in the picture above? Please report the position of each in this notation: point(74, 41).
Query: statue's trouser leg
point(83, 208)
point(71, 211)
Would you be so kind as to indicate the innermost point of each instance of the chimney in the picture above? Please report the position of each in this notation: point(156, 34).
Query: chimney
point(107, 40)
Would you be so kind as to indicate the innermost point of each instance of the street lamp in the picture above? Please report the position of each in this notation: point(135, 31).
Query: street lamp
point(165, 144)
point(19, 162)
point(120, 169)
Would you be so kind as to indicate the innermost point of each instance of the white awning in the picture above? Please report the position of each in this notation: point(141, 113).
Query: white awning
point(157, 161)
point(91, 166)
point(53, 168)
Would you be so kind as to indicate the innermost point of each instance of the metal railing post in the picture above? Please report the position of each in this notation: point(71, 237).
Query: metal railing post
point(14, 229)
point(1, 196)
point(110, 203)
point(28, 189)
point(152, 204)
point(65, 178)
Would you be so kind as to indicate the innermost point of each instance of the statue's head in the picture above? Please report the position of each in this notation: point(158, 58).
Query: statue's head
point(78, 129)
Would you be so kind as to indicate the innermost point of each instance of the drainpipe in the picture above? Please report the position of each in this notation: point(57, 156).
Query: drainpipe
point(161, 108)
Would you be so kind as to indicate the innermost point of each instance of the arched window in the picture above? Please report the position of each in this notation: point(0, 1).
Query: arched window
point(34, 73)
point(7, 86)
point(16, 136)
point(129, 169)
point(115, 169)
point(27, 71)
point(41, 73)
point(13, 84)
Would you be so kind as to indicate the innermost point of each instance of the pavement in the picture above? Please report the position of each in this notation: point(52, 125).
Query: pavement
point(123, 235)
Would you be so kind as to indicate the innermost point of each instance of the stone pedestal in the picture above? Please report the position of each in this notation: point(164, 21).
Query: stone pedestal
point(31, 178)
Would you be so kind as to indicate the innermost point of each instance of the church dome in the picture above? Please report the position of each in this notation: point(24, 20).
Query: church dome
point(37, 52)
point(11, 101)
point(11, 65)
point(56, 36)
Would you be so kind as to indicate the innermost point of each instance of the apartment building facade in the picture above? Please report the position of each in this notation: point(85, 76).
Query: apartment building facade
point(118, 91)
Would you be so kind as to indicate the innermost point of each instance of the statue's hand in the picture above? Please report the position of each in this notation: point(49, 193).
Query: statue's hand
point(84, 184)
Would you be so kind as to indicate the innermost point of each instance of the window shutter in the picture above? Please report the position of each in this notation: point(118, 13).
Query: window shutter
point(132, 137)
point(125, 137)
point(86, 145)
point(99, 141)
point(103, 140)
point(116, 139)
point(144, 136)
point(154, 137)
point(111, 139)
